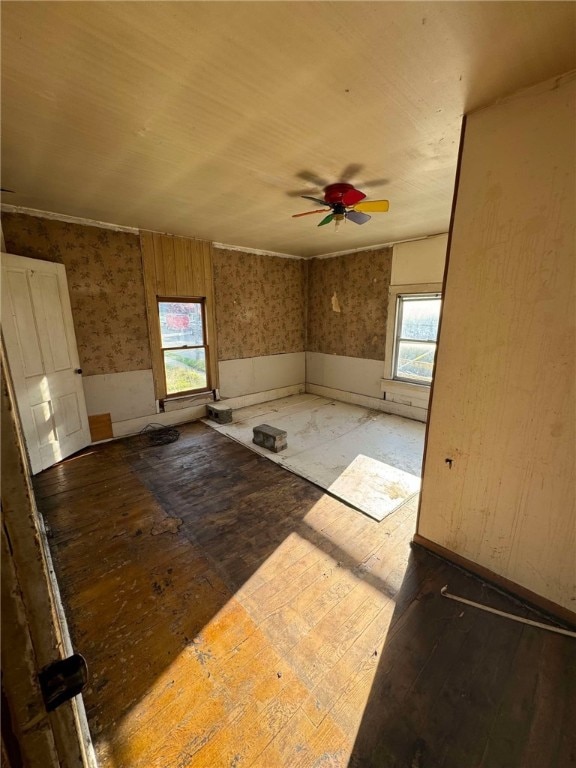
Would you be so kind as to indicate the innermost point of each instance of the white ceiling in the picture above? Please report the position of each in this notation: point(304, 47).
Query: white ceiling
point(207, 119)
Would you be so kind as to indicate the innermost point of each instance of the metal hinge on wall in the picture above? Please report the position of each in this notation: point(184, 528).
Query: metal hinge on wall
point(62, 680)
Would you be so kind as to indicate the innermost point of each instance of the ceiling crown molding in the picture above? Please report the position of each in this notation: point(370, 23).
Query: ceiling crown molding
point(6, 208)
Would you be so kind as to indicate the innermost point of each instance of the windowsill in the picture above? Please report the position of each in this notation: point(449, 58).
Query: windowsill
point(178, 402)
point(188, 395)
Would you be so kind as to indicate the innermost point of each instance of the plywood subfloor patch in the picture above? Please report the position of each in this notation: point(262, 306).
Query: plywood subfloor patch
point(374, 487)
point(369, 459)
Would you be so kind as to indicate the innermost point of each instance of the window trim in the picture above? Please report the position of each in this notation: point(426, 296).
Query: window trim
point(394, 293)
point(185, 300)
point(398, 339)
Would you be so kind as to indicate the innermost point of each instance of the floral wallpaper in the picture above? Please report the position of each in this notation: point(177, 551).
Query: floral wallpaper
point(260, 304)
point(104, 270)
point(265, 305)
point(347, 304)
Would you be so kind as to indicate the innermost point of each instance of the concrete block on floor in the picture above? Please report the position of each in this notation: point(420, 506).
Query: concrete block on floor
point(272, 438)
point(222, 414)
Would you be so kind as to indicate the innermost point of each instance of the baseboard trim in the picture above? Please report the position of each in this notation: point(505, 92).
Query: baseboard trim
point(554, 610)
point(377, 404)
point(255, 398)
point(168, 419)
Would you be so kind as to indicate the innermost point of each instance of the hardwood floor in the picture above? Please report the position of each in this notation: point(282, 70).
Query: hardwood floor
point(231, 614)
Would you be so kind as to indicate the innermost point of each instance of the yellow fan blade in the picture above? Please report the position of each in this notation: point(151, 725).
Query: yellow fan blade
point(372, 206)
point(318, 210)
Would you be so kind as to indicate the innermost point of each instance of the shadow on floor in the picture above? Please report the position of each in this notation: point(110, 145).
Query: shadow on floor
point(458, 687)
point(151, 545)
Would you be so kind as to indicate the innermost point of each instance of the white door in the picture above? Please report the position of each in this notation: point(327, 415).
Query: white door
point(43, 359)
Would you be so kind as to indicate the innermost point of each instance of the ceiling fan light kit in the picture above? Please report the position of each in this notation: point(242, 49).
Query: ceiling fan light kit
point(345, 202)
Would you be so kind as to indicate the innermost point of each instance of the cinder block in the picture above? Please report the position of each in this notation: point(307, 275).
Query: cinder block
point(270, 437)
point(219, 413)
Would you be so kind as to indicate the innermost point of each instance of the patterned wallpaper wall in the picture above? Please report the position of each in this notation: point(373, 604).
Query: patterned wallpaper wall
point(260, 304)
point(265, 305)
point(347, 304)
point(104, 270)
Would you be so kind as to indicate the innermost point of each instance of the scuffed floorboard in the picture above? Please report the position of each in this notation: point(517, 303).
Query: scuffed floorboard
point(233, 615)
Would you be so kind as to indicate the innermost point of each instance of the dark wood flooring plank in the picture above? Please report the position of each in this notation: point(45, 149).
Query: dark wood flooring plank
point(233, 614)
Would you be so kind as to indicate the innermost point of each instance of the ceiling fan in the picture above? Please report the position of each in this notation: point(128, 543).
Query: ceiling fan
point(344, 202)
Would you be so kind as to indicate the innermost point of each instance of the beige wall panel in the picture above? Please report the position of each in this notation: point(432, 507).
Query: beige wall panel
point(419, 261)
point(503, 406)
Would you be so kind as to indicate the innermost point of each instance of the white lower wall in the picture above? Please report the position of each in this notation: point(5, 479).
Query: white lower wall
point(251, 375)
point(129, 397)
point(123, 395)
point(351, 374)
point(352, 378)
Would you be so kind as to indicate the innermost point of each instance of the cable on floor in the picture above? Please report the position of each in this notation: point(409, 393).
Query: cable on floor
point(158, 434)
point(559, 630)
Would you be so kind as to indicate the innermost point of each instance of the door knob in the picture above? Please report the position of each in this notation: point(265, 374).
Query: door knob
point(77, 370)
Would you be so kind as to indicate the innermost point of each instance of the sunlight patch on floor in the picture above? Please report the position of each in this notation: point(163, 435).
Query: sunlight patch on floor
point(280, 675)
point(377, 488)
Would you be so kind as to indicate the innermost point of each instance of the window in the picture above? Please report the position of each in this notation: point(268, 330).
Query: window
point(417, 317)
point(184, 348)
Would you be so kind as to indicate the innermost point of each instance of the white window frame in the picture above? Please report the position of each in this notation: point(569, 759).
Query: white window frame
point(390, 384)
point(201, 300)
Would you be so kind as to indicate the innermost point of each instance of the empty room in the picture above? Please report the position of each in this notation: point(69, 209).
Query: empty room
point(288, 406)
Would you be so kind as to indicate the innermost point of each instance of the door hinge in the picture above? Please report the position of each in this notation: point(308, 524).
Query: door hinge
point(62, 680)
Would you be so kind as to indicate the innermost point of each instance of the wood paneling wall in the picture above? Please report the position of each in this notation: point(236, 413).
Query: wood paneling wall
point(177, 266)
point(498, 483)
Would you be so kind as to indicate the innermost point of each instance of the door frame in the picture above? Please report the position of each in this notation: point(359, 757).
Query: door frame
point(36, 631)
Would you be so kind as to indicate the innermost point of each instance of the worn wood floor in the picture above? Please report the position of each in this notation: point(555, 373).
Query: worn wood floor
point(233, 615)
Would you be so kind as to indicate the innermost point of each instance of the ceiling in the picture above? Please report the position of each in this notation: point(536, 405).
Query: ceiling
point(207, 119)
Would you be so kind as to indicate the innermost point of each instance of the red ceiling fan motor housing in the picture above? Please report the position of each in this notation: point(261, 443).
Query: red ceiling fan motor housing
point(343, 193)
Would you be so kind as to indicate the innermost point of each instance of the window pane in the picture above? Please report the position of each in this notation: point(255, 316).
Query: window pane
point(185, 370)
point(415, 362)
point(181, 323)
point(420, 319)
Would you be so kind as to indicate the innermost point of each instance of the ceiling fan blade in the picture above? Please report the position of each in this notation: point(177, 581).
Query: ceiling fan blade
point(357, 217)
point(374, 206)
point(327, 220)
point(314, 199)
point(313, 178)
point(351, 172)
point(352, 196)
point(374, 183)
point(297, 215)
